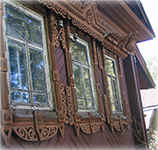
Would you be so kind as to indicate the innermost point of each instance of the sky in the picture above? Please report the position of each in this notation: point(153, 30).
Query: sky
point(150, 48)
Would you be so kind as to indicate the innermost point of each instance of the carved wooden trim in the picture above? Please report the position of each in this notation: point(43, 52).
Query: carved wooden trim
point(46, 131)
point(26, 132)
point(85, 127)
point(62, 11)
point(70, 108)
point(95, 126)
point(124, 43)
point(100, 59)
point(117, 122)
point(6, 133)
point(89, 21)
point(29, 133)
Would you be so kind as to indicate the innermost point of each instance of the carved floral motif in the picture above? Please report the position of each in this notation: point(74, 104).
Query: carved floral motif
point(27, 133)
point(99, 59)
point(69, 105)
point(90, 16)
point(75, 21)
point(85, 127)
point(95, 127)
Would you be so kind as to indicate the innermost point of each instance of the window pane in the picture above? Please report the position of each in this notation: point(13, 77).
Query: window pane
point(110, 67)
point(81, 103)
point(87, 83)
point(18, 71)
point(79, 52)
point(37, 70)
point(78, 81)
point(90, 104)
point(22, 25)
point(111, 94)
point(39, 98)
point(19, 96)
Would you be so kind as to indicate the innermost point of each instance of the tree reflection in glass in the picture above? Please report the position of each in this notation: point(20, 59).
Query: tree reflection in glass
point(22, 25)
point(113, 85)
point(24, 38)
point(37, 70)
point(81, 70)
point(78, 81)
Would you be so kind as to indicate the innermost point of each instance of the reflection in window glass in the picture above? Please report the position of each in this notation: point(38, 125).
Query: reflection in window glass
point(82, 75)
point(27, 58)
point(37, 70)
point(113, 85)
point(22, 25)
point(78, 80)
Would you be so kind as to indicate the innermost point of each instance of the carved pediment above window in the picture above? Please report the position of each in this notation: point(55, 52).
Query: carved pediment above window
point(123, 43)
point(84, 13)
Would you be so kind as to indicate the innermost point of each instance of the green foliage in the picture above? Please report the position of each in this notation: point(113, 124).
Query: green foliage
point(152, 64)
point(153, 140)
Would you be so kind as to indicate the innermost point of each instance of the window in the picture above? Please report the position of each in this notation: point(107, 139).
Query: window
point(113, 85)
point(28, 75)
point(82, 72)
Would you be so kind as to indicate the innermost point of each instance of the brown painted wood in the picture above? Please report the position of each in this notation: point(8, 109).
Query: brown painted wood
point(100, 139)
point(60, 61)
point(4, 90)
point(134, 98)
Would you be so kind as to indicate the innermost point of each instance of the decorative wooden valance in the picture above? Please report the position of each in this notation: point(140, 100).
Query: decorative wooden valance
point(121, 45)
point(85, 16)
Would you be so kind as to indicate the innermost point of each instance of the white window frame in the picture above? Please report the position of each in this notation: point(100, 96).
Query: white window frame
point(86, 44)
point(19, 105)
point(117, 85)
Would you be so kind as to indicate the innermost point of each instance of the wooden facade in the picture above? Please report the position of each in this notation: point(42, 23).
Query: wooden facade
point(110, 28)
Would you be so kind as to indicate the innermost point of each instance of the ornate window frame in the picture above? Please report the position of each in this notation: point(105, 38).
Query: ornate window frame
point(91, 77)
point(30, 105)
point(114, 77)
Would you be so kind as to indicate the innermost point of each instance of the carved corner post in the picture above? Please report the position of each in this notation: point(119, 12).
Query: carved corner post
point(56, 40)
point(74, 117)
point(99, 95)
point(106, 96)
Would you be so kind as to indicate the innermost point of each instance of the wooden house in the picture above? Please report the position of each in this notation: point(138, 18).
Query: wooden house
point(71, 74)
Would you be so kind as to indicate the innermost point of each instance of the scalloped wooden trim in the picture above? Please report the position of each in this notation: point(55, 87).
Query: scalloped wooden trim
point(116, 121)
point(27, 133)
point(85, 127)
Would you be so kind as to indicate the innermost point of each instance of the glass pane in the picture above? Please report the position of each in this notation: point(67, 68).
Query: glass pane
point(78, 81)
point(90, 103)
point(16, 96)
point(37, 70)
point(81, 102)
point(110, 67)
point(19, 96)
point(25, 97)
point(18, 71)
point(79, 52)
point(111, 93)
point(22, 25)
point(115, 92)
point(113, 108)
point(39, 98)
point(87, 83)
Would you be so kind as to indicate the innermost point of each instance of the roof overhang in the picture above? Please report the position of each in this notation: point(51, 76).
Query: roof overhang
point(125, 20)
point(145, 79)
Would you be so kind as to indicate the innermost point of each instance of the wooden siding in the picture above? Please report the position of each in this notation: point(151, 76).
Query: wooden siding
point(60, 61)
